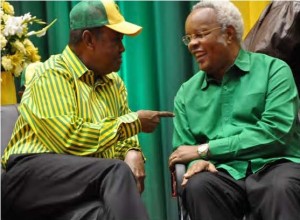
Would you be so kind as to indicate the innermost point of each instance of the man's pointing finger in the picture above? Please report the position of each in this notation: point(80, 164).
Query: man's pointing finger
point(165, 114)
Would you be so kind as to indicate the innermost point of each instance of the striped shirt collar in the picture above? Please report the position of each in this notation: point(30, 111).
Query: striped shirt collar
point(80, 71)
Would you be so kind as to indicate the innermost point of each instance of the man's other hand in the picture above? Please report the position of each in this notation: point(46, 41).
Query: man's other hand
point(197, 167)
point(135, 161)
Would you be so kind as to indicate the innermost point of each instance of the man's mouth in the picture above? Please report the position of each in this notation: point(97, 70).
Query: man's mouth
point(200, 56)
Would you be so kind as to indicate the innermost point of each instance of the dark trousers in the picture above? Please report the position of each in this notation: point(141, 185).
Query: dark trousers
point(64, 187)
point(271, 194)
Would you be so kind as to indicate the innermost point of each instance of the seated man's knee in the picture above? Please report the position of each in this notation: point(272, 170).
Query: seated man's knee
point(120, 168)
point(283, 186)
point(199, 183)
point(109, 167)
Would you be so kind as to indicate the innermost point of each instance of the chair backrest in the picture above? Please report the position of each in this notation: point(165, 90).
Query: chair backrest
point(9, 115)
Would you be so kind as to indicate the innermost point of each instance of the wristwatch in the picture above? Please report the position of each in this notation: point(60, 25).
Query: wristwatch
point(203, 150)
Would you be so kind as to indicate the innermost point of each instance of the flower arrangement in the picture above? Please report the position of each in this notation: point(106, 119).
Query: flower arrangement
point(17, 51)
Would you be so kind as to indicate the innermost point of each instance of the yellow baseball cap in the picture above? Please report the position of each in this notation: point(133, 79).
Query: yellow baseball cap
point(89, 14)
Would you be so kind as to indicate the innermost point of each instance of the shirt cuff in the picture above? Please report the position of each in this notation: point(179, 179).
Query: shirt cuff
point(218, 147)
point(130, 125)
point(137, 149)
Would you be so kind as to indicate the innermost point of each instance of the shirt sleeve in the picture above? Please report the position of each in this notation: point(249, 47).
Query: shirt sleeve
point(131, 143)
point(271, 134)
point(50, 107)
point(182, 133)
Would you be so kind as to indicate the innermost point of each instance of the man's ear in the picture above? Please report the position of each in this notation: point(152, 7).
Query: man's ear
point(230, 34)
point(88, 39)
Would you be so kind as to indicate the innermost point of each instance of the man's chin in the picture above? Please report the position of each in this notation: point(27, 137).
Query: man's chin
point(202, 67)
point(117, 66)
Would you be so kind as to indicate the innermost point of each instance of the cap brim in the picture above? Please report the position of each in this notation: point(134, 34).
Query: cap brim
point(125, 28)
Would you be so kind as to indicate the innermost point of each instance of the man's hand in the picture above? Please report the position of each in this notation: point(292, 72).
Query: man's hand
point(135, 161)
point(150, 119)
point(183, 154)
point(197, 167)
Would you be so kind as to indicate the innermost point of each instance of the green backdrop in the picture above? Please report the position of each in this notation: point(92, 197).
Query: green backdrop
point(155, 64)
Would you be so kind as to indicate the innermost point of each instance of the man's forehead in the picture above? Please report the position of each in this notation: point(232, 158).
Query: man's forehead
point(203, 16)
point(204, 13)
point(111, 32)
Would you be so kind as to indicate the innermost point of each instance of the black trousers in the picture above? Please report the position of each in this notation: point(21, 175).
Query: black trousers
point(271, 194)
point(64, 187)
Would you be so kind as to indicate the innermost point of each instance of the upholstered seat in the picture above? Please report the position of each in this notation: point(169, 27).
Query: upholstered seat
point(9, 115)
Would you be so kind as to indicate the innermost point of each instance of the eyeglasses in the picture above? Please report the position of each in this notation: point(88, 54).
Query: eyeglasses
point(187, 38)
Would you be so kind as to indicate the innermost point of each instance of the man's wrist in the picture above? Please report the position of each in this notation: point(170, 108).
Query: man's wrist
point(203, 150)
point(135, 151)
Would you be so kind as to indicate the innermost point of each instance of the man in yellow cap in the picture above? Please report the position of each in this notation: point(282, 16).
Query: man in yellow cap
point(74, 153)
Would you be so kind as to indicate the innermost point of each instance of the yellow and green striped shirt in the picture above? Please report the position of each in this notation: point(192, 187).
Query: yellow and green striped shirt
point(66, 110)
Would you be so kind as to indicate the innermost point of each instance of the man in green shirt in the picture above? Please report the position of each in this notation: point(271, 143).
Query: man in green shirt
point(236, 124)
point(65, 158)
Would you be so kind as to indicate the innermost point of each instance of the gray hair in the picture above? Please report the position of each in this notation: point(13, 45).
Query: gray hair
point(227, 14)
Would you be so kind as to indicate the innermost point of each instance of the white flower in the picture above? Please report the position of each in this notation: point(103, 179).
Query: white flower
point(41, 32)
point(27, 17)
point(14, 26)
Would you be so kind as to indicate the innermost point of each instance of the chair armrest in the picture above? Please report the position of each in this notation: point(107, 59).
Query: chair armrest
point(176, 179)
point(177, 189)
point(180, 170)
point(9, 115)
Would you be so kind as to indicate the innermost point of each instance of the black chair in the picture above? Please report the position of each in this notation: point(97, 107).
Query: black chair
point(177, 180)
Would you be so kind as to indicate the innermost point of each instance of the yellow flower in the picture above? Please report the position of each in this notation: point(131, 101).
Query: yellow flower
point(17, 50)
point(32, 51)
point(18, 45)
point(17, 61)
point(3, 41)
point(18, 70)
point(7, 8)
point(4, 17)
point(6, 63)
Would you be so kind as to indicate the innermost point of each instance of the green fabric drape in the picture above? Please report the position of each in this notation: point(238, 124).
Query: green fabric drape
point(155, 64)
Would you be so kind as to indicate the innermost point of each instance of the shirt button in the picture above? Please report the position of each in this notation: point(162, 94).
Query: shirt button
point(225, 88)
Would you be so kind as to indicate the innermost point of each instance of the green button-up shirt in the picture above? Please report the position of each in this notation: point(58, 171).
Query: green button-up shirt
point(250, 116)
point(65, 109)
